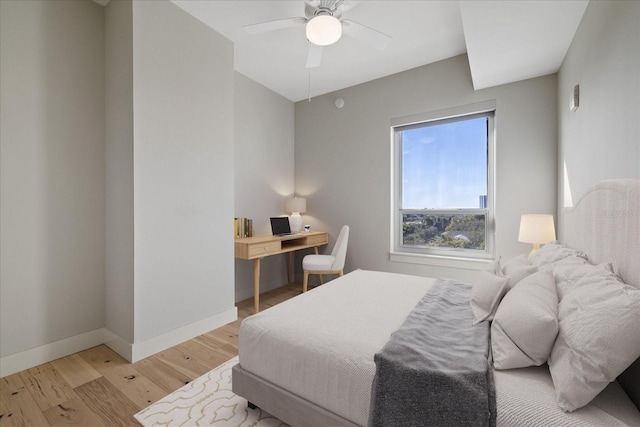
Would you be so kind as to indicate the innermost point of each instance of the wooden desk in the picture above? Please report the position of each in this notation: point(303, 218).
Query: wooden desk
point(258, 247)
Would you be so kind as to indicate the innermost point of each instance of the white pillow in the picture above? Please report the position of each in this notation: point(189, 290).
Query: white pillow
point(551, 253)
point(570, 270)
point(599, 338)
point(486, 294)
point(517, 269)
point(526, 323)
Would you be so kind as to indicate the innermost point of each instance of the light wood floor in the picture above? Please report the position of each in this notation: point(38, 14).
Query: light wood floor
point(97, 387)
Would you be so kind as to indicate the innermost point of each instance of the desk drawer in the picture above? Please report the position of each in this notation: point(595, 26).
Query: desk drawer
point(264, 248)
point(321, 239)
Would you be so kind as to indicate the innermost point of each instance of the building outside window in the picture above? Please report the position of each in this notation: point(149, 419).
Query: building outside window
point(443, 184)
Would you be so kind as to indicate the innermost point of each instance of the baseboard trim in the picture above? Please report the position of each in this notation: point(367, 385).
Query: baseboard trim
point(161, 342)
point(132, 352)
point(46, 353)
point(117, 344)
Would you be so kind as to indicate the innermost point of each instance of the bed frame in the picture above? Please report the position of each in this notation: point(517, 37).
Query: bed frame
point(593, 226)
point(282, 403)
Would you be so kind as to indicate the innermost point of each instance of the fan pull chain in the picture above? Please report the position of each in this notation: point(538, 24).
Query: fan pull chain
point(309, 85)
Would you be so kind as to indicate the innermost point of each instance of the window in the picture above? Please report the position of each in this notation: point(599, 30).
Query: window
point(443, 184)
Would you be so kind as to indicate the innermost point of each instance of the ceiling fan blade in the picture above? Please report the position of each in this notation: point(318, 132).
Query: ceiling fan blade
point(368, 35)
point(348, 5)
point(278, 24)
point(342, 6)
point(315, 56)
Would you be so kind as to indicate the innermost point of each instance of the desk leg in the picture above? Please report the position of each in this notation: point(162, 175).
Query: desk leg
point(290, 267)
point(256, 285)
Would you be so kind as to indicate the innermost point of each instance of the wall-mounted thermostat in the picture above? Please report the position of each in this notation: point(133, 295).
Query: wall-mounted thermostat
point(574, 102)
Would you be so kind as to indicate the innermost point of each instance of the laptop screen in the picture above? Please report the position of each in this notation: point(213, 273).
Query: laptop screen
point(280, 225)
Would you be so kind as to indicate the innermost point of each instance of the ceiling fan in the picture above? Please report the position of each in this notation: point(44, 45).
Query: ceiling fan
point(324, 27)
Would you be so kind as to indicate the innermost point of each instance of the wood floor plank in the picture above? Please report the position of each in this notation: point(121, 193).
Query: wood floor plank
point(277, 299)
point(210, 341)
point(108, 403)
point(72, 413)
point(138, 388)
point(227, 334)
point(102, 358)
point(183, 362)
point(168, 378)
point(244, 312)
point(99, 388)
point(203, 354)
point(46, 386)
point(226, 351)
point(17, 406)
point(229, 350)
point(75, 370)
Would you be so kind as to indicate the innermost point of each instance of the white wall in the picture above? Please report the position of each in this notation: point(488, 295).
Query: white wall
point(264, 123)
point(342, 156)
point(52, 172)
point(601, 140)
point(119, 209)
point(183, 84)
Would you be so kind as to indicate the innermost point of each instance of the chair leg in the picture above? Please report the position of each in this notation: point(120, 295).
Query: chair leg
point(305, 281)
point(340, 273)
point(321, 281)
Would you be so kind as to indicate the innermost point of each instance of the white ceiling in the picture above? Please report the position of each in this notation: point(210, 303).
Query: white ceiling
point(506, 41)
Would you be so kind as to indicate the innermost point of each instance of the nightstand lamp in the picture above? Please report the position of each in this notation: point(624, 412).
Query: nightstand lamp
point(537, 229)
point(295, 206)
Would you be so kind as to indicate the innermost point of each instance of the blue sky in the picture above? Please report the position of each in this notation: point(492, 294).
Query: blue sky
point(445, 166)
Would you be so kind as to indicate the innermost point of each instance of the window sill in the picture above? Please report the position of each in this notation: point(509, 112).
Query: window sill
point(441, 261)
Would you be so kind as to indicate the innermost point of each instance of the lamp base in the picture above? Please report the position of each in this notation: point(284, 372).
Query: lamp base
point(536, 247)
point(295, 222)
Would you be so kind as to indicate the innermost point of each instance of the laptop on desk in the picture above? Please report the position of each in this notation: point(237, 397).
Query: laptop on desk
point(280, 226)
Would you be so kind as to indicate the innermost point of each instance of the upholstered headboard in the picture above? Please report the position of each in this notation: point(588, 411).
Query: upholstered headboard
point(605, 225)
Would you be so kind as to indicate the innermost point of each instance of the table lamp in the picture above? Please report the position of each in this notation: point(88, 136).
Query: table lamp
point(295, 206)
point(537, 229)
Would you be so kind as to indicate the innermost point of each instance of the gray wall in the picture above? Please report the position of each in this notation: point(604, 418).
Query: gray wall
point(117, 119)
point(52, 172)
point(119, 275)
point(183, 83)
point(264, 123)
point(601, 140)
point(342, 156)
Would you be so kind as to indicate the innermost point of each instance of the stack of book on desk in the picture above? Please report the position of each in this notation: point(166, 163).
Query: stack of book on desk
point(242, 227)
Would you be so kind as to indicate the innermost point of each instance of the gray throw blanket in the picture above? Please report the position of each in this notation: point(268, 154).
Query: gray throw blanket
point(434, 371)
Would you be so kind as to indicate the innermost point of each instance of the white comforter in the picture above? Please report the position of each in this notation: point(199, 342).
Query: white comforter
point(321, 348)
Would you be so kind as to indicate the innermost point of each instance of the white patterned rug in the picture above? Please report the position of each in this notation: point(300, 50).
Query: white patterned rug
point(206, 401)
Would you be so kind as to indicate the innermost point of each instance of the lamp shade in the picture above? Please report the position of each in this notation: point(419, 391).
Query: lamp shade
point(536, 229)
point(296, 204)
point(323, 30)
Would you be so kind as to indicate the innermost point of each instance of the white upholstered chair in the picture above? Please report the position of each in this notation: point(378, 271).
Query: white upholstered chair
point(327, 264)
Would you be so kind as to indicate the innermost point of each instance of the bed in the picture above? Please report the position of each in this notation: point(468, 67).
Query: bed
point(310, 360)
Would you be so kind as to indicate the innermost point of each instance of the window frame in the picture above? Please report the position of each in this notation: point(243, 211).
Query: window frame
point(455, 257)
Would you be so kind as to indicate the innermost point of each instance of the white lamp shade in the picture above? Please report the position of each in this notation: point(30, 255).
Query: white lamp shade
point(323, 30)
point(537, 229)
point(296, 205)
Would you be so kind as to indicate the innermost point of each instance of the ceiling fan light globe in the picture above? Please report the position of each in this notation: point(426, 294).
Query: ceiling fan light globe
point(324, 30)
